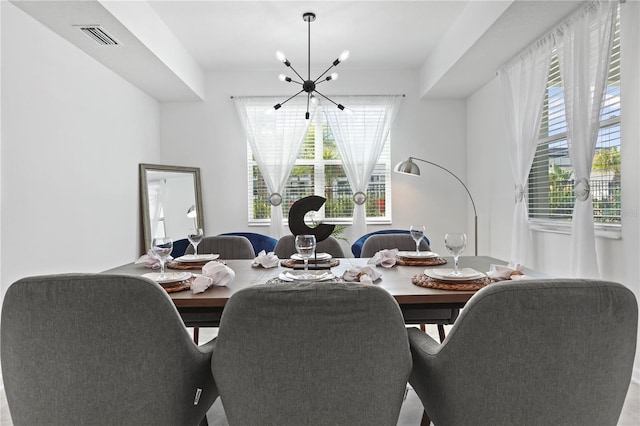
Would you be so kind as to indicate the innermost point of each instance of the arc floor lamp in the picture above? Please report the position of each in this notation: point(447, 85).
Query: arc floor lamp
point(410, 168)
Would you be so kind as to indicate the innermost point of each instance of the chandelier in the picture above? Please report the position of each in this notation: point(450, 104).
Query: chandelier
point(308, 85)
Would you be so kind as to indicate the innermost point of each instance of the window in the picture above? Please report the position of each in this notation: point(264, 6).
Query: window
point(551, 177)
point(318, 171)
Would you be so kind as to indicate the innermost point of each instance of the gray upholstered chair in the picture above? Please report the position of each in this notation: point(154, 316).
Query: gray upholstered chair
point(100, 349)
point(311, 354)
point(375, 243)
point(286, 246)
point(544, 352)
point(227, 246)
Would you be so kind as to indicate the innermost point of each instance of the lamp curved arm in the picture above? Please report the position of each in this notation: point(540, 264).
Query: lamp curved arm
point(452, 174)
point(475, 212)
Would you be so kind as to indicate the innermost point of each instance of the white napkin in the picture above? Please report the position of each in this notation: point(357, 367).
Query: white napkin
point(150, 260)
point(266, 260)
point(213, 274)
point(385, 258)
point(512, 271)
point(364, 274)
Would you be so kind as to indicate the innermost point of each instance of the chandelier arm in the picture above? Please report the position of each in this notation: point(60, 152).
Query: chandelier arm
point(323, 74)
point(291, 97)
point(335, 103)
point(298, 74)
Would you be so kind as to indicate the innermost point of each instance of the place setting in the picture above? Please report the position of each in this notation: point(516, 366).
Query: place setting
point(306, 256)
point(417, 257)
point(161, 247)
point(305, 247)
point(452, 278)
point(193, 261)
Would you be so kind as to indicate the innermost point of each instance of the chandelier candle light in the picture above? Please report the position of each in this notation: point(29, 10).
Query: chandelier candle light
point(308, 85)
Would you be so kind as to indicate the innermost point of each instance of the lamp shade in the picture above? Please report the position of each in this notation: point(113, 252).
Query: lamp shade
point(408, 166)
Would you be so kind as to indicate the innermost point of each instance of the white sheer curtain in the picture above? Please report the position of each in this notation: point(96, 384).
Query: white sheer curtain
point(584, 48)
point(156, 189)
point(275, 138)
point(523, 81)
point(360, 138)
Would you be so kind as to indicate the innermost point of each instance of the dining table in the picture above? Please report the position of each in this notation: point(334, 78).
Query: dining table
point(205, 309)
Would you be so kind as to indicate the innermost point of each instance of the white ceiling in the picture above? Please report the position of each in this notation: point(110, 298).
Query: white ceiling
point(244, 35)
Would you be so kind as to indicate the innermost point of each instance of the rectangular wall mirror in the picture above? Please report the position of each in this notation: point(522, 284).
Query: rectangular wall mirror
point(171, 201)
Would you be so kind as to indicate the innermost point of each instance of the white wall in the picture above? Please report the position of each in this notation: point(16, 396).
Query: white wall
point(490, 174)
point(73, 134)
point(209, 135)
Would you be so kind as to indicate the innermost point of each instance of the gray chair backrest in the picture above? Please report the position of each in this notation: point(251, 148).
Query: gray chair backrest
point(548, 352)
point(312, 354)
point(96, 349)
point(286, 246)
point(378, 242)
point(227, 246)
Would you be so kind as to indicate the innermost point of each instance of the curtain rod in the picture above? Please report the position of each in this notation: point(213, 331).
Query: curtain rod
point(548, 33)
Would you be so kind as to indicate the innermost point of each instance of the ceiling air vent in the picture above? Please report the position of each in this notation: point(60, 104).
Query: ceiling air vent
point(98, 34)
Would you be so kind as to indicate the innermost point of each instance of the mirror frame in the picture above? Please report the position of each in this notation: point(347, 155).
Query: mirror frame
point(144, 195)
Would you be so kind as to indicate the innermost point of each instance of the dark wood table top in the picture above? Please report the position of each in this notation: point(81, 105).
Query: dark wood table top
point(396, 280)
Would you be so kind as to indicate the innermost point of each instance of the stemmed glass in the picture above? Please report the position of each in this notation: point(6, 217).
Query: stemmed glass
point(455, 243)
point(306, 246)
point(195, 238)
point(162, 248)
point(417, 232)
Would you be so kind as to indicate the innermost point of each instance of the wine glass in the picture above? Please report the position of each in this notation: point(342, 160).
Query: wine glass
point(305, 246)
point(195, 238)
point(417, 232)
point(455, 243)
point(162, 248)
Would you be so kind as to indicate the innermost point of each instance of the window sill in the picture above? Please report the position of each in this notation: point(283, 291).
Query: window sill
point(613, 232)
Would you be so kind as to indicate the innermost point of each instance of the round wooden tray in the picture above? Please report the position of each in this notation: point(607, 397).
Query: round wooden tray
point(291, 263)
point(423, 280)
point(432, 261)
point(179, 286)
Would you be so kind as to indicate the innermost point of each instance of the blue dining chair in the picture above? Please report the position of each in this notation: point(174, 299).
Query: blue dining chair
point(258, 241)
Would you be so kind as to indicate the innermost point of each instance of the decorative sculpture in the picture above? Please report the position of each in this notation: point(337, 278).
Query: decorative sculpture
point(296, 218)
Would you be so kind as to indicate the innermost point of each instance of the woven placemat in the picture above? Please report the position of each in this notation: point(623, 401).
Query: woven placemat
point(190, 266)
point(432, 261)
point(291, 263)
point(423, 280)
point(179, 286)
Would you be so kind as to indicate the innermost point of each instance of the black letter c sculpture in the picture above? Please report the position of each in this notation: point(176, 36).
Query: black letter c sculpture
point(296, 218)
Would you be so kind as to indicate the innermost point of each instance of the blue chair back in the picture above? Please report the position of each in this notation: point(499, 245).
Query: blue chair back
point(258, 241)
point(356, 248)
point(179, 247)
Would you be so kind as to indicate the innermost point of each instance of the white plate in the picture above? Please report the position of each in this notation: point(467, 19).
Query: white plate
point(170, 277)
point(444, 274)
point(414, 255)
point(300, 275)
point(320, 256)
point(187, 258)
